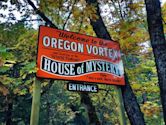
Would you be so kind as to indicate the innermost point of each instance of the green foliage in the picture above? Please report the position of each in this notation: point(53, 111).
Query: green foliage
point(57, 104)
point(164, 17)
point(71, 15)
point(143, 78)
point(16, 70)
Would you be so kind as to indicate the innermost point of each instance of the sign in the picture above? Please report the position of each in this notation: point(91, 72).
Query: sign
point(70, 56)
point(82, 87)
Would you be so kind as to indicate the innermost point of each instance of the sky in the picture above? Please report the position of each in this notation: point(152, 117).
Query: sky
point(163, 1)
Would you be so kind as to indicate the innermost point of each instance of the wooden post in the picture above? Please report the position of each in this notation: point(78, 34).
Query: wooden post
point(35, 102)
point(120, 106)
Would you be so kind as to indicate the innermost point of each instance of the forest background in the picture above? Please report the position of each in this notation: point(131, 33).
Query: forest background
point(125, 21)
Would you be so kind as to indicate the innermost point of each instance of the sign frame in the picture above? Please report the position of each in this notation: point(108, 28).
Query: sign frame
point(46, 37)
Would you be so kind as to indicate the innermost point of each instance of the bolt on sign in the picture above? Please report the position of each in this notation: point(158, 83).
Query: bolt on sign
point(67, 55)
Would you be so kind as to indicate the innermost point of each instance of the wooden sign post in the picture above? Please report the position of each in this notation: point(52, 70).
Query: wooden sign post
point(35, 102)
point(120, 106)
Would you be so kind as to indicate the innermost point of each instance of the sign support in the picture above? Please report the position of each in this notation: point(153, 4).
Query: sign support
point(120, 106)
point(70, 56)
point(36, 102)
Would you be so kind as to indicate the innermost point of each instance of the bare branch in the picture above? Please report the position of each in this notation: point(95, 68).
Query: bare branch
point(69, 14)
point(81, 22)
point(163, 21)
point(121, 15)
point(41, 14)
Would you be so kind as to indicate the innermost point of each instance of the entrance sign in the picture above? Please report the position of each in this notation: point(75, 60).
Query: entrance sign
point(72, 56)
point(82, 87)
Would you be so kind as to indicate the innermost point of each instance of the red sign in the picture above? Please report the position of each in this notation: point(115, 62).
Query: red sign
point(71, 56)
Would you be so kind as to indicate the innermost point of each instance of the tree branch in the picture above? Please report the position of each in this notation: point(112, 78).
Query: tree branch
point(81, 22)
point(69, 15)
point(121, 15)
point(163, 21)
point(98, 25)
point(41, 14)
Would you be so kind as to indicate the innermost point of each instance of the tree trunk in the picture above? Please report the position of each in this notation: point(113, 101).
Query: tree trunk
point(9, 110)
point(131, 106)
point(130, 103)
point(158, 43)
point(48, 109)
point(93, 119)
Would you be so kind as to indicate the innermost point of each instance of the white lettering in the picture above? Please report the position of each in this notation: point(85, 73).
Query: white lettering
point(47, 64)
point(89, 49)
point(88, 66)
point(54, 43)
point(53, 67)
point(66, 45)
point(82, 87)
point(46, 41)
point(73, 46)
point(60, 43)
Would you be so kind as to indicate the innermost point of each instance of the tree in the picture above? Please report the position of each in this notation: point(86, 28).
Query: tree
point(158, 43)
point(130, 102)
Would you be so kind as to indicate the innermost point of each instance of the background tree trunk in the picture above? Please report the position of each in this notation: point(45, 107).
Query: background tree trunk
point(130, 103)
point(9, 110)
point(93, 119)
point(158, 43)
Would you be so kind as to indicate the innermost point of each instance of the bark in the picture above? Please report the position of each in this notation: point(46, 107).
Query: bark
point(131, 106)
point(9, 110)
point(42, 15)
point(158, 43)
point(79, 118)
point(98, 25)
point(144, 98)
point(130, 102)
point(93, 119)
point(48, 109)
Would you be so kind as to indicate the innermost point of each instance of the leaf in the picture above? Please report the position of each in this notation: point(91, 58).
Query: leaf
point(2, 49)
point(91, 12)
point(150, 109)
point(76, 12)
point(1, 62)
point(136, 86)
point(4, 69)
point(3, 89)
point(29, 68)
point(23, 92)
